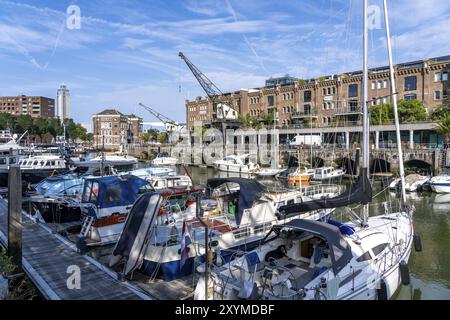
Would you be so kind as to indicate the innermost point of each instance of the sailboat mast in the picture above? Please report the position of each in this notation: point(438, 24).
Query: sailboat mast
point(394, 102)
point(365, 142)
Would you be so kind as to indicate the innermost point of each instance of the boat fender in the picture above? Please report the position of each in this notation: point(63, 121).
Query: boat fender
point(417, 243)
point(382, 290)
point(404, 273)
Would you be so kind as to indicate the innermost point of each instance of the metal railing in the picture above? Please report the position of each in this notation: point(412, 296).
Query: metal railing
point(314, 190)
point(301, 115)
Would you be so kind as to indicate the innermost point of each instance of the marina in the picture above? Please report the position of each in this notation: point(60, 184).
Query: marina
point(321, 187)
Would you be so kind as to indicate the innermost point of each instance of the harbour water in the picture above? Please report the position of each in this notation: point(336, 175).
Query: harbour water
point(430, 269)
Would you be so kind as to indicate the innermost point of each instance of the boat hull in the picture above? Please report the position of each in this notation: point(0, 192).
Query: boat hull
point(440, 187)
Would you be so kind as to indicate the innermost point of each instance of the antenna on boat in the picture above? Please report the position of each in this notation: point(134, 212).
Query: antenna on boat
point(365, 144)
point(394, 102)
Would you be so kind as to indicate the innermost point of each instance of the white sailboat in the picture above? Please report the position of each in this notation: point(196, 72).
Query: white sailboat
point(363, 259)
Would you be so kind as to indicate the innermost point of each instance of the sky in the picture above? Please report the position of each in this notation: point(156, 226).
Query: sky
point(125, 52)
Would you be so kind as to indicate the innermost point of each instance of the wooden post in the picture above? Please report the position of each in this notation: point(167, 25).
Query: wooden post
point(15, 216)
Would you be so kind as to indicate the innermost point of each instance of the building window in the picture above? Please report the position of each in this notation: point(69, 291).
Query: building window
point(410, 83)
point(307, 96)
point(385, 100)
point(334, 90)
point(379, 84)
point(437, 77)
point(324, 91)
point(411, 96)
point(437, 95)
point(307, 109)
point(353, 90)
point(374, 85)
point(353, 105)
point(270, 101)
point(329, 91)
point(385, 84)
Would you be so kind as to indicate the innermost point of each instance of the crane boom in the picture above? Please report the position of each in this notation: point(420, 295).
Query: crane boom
point(158, 115)
point(210, 88)
point(170, 124)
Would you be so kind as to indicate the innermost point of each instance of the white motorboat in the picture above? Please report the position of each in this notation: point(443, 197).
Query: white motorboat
point(236, 163)
point(440, 184)
point(326, 173)
point(268, 172)
point(413, 182)
point(37, 168)
point(175, 181)
point(148, 173)
point(163, 159)
point(9, 154)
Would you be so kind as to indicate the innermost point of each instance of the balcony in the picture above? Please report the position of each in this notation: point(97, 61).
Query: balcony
point(303, 115)
point(350, 110)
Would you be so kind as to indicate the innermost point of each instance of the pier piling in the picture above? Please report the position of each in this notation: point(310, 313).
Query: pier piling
point(15, 216)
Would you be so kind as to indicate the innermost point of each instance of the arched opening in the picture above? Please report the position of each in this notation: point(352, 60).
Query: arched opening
point(348, 165)
point(247, 144)
point(380, 166)
point(317, 162)
point(417, 166)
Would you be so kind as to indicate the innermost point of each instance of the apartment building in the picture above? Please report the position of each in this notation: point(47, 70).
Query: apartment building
point(112, 129)
point(32, 105)
point(334, 99)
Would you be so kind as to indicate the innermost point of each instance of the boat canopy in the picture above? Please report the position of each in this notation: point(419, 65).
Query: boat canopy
point(249, 192)
point(341, 253)
point(112, 191)
point(359, 192)
point(57, 185)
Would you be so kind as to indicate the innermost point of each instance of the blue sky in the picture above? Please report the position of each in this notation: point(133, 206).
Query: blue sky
point(126, 51)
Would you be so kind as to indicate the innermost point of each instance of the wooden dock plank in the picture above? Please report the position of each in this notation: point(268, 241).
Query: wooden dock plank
point(46, 258)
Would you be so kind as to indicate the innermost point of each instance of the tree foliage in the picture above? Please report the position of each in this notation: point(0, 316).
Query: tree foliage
point(145, 137)
point(381, 114)
point(163, 137)
point(408, 111)
point(411, 111)
point(443, 127)
point(40, 126)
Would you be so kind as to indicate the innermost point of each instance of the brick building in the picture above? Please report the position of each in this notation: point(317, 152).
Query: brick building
point(335, 98)
point(34, 106)
point(112, 129)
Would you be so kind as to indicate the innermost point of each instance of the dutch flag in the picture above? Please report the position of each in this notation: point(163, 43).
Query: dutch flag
point(185, 242)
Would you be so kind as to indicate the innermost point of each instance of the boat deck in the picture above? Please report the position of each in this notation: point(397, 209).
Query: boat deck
point(46, 257)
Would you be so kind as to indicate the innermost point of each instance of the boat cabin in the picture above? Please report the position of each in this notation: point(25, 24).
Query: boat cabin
point(42, 162)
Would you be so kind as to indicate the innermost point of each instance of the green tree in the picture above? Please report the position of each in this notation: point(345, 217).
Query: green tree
point(443, 127)
point(6, 121)
point(443, 110)
point(90, 137)
point(40, 127)
point(411, 111)
point(248, 121)
point(162, 137)
point(23, 123)
point(153, 134)
point(381, 114)
point(55, 127)
point(145, 137)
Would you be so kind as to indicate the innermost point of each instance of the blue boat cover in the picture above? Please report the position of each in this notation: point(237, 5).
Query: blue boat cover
point(117, 191)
